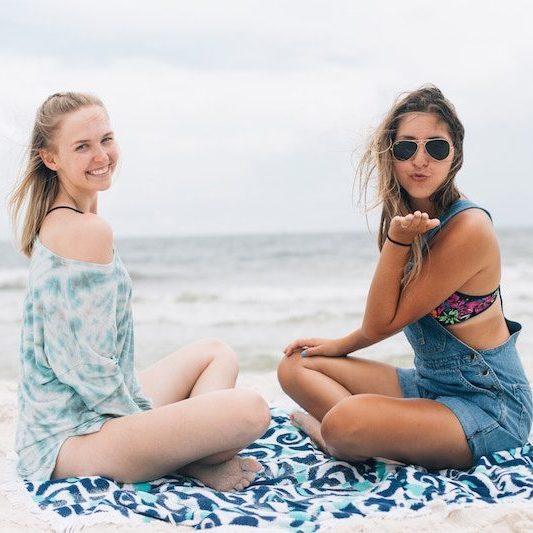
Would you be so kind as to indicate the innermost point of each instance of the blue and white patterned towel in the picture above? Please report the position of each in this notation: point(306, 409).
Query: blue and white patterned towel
point(299, 490)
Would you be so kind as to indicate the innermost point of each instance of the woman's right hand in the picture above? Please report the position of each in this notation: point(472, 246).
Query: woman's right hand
point(309, 347)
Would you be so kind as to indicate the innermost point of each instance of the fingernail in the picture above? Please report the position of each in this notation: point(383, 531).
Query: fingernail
point(304, 353)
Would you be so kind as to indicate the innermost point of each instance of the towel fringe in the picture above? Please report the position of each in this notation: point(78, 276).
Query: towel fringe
point(437, 510)
point(20, 499)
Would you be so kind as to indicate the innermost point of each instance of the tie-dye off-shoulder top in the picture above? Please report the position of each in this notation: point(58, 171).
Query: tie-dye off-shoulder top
point(77, 366)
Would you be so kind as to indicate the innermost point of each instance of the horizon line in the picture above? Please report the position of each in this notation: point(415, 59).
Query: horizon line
point(354, 231)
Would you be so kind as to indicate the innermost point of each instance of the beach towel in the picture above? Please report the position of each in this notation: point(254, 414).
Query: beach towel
point(300, 490)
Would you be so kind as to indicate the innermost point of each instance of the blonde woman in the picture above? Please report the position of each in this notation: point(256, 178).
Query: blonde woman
point(83, 411)
point(438, 280)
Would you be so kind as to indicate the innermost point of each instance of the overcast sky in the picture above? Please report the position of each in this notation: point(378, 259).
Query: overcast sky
point(243, 116)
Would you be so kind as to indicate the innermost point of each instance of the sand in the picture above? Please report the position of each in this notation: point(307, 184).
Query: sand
point(498, 518)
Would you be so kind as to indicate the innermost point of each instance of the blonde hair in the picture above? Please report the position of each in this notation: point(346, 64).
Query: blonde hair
point(377, 162)
point(38, 185)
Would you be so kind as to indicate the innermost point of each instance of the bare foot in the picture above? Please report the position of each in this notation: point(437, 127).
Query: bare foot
point(311, 426)
point(235, 474)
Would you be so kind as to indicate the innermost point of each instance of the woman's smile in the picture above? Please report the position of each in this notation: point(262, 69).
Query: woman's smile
point(100, 172)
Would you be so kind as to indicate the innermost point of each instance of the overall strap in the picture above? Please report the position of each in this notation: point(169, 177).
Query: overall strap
point(457, 207)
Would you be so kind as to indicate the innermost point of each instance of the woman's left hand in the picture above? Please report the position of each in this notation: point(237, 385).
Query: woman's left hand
point(406, 228)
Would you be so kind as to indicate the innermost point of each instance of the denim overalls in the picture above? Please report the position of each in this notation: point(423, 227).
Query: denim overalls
point(487, 390)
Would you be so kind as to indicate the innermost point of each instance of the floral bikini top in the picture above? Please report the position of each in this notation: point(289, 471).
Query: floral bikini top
point(460, 307)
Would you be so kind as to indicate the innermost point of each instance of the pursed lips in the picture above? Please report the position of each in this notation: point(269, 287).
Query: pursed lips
point(419, 176)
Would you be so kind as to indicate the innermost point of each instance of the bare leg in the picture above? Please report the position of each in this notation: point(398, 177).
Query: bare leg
point(198, 424)
point(199, 368)
point(348, 422)
point(150, 444)
point(415, 431)
point(319, 383)
point(203, 366)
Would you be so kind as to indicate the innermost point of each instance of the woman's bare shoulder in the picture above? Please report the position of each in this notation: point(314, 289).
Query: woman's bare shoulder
point(83, 237)
point(471, 224)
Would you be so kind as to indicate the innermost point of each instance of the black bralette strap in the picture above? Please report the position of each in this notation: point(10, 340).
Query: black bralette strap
point(64, 207)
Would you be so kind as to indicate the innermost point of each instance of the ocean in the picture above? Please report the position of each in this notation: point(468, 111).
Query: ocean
point(256, 292)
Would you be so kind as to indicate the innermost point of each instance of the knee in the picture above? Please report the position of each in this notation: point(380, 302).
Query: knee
point(221, 351)
point(346, 424)
point(333, 427)
point(253, 412)
point(289, 370)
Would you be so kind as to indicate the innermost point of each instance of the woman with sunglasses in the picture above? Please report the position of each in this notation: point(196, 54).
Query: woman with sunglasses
point(83, 410)
point(437, 279)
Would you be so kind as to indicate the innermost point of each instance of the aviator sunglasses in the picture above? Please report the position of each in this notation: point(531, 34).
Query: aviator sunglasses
point(438, 149)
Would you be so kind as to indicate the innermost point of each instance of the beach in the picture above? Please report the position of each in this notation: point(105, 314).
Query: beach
point(499, 518)
point(258, 293)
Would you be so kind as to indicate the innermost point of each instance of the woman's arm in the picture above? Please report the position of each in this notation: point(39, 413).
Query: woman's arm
point(385, 286)
point(464, 248)
point(330, 347)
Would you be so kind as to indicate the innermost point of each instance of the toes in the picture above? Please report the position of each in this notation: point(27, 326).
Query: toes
point(248, 476)
point(249, 464)
point(244, 483)
point(305, 422)
point(297, 418)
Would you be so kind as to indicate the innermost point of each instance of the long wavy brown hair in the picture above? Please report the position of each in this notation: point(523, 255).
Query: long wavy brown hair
point(38, 185)
point(377, 164)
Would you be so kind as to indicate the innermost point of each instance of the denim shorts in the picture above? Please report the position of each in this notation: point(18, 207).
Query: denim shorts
point(487, 390)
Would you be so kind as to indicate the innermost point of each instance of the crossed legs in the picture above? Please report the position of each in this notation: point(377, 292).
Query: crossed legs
point(356, 411)
point(198, 425)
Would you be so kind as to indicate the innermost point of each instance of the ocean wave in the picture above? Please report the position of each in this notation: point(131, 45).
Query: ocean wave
point(258, 361)
point(182, 298)
point(194, 297)
point(150, 274)
point(13, 280)
point(12, 285)
point(227, 318)
point(320, 317)
point(252, 295)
